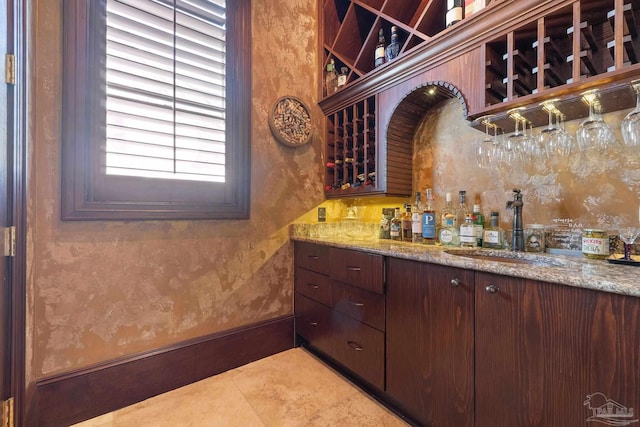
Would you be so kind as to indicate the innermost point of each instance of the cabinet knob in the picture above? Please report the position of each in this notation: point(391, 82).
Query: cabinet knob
point(455, 282)
point(312, 286)
point(356, 304)
point(353, 268)
point(492, 289)
point(314, 257)
point(313, 323)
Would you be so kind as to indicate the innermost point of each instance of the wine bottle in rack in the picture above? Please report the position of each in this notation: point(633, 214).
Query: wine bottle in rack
point(378, 58)
point(454, 12)
point(331, 78)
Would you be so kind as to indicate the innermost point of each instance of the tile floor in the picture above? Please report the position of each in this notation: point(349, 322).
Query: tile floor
point(292, 388)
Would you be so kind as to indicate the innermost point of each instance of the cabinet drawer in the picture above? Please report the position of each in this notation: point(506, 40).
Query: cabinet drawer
point(361, 305)
point(313, 285)
point(313, 322)
point(358, 269)
point(360, 348)
point(312, 257)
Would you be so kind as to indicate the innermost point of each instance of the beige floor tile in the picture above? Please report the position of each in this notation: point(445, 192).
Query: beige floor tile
point(357, 411)
point(290, 387)
point(105, 420)
point(213, 402)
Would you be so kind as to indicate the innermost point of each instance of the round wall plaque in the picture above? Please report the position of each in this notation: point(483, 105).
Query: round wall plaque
point(290, 121)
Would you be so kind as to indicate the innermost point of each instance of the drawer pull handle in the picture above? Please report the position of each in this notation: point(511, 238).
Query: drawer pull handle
point(492, 289)
point(311, 285)
point(455, 282)
point(354, 345)
point(356, 304)
point(314, 257)
point(353, 268)
point(313, 323)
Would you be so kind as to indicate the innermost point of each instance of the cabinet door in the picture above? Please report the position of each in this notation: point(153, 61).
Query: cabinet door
point(430, 342)
point(554, 356)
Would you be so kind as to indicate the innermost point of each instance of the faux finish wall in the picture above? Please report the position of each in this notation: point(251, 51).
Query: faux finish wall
point(597, 190)
point(99, 290)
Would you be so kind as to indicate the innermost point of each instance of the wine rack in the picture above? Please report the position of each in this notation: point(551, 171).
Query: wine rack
point(350, 29)
point(574, 43)
point(351, 150)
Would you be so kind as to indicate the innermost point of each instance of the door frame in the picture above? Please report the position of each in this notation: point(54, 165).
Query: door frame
point(18, 40)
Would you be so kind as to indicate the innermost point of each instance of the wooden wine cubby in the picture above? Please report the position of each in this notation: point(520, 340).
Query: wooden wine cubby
point(351, 150)
point(578, 45)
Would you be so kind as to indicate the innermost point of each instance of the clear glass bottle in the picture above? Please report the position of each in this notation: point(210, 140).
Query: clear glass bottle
point(416, 220)
point(478, 220)
point(342, 77)
point(448, 210)
point(454, 12)
point(468, 237)
point(429, 220)
point(462, 210)
point(407, 223)
point(395, 230)
point(378, 57)
point(494, 235)
point(449, 235)
point(393, 49)
point(331, 78)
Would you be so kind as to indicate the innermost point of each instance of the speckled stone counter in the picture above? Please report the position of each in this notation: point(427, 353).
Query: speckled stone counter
point(567, 270)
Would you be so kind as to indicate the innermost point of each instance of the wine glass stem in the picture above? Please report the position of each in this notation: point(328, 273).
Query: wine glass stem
point(627, 251)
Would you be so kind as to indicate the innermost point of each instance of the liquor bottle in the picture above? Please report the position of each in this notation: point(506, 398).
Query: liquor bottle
point(448, 210)
point(331, 78)
point(395, 229)
point(462, 210)
point(468, 237)
point(378, 57)
point(416, 220)
point(493, 235)
point(407, 223)
point(393, 49)
point(429, 220)
point(449, 235)
point(342, 77)
point(478, 220)
point(454, 12)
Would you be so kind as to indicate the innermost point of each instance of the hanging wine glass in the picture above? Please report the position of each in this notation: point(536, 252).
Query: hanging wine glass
point(548, 138)
point(566, 143)
point(484, 146)
point(594, 133)
point(630, 125)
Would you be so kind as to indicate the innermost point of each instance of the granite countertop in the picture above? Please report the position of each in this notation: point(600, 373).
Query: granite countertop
point(575, 271)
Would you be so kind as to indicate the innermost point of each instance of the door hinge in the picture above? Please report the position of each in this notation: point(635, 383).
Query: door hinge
point(10, 68)
point(7, 413)
point(9, 241)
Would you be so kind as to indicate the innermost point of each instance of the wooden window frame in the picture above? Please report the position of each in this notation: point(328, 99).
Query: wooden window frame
point(87, 192)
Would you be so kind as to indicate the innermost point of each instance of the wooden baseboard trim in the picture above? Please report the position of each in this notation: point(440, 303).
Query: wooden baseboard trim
point(76, 396)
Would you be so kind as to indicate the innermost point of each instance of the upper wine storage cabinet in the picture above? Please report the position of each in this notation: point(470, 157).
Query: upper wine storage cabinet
point(350, 30)
point(577, 42)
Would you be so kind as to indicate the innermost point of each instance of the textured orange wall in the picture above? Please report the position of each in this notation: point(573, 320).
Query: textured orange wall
point(99, 290)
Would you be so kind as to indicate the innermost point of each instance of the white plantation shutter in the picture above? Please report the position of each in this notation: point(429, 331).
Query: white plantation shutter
point(165, 76)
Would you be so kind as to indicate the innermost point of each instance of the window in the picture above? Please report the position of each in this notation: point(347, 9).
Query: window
point(156, 109)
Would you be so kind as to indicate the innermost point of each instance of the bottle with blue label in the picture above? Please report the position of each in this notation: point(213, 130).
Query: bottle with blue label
point(429, 220)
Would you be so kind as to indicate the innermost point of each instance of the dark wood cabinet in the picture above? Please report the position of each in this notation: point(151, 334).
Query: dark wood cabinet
point(454, 347)
point(430, 342)
point(542, 349)
point(340, 308)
